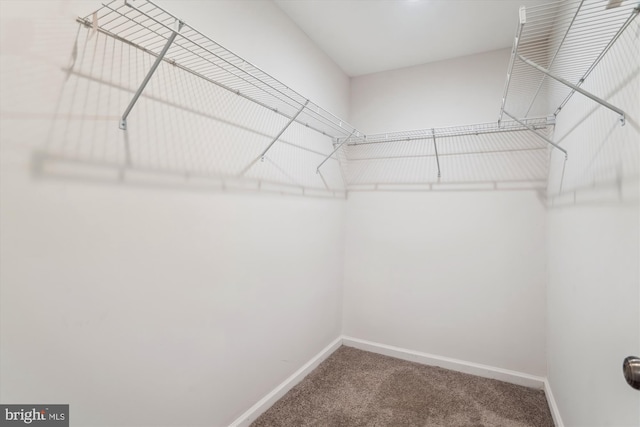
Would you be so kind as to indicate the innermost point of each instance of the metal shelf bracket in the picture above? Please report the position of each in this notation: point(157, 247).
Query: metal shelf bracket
point(435, 147)
point(273, 141)
point(634, 13)
point(532, 129)
point(574, 87)
point(333, 152)
point(123, 119)
point(522, 13)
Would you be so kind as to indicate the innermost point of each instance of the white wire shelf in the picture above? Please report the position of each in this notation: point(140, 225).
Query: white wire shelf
point(557, 46)
point(567, 39)
point(146, 26)
point(450, 131)
point(511, 153)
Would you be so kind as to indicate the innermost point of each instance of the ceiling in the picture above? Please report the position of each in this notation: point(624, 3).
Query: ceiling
point(369, 36)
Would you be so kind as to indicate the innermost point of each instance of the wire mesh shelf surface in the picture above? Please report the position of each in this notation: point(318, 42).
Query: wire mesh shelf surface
point(486, 153)
point(568, 39)
point(145, 25)
point(450, 131)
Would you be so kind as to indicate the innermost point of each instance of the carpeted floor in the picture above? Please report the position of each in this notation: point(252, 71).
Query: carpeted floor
point(357, 388)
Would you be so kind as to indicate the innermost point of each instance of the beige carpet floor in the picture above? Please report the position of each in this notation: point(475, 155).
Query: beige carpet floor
point(357, 388)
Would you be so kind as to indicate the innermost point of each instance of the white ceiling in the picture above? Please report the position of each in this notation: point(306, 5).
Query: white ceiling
point(368, 36)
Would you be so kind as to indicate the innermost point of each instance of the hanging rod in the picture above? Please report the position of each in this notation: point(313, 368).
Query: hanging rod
point(147, 27)
point(564, 41)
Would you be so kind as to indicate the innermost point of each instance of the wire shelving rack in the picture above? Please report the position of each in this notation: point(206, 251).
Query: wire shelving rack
point(152, 29)
point(558, 45)
point(438, 143)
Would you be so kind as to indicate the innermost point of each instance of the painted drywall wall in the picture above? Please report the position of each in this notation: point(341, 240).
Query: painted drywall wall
point(453, 273)
point(457, 274)
point(594, 247)
point(266, 37)
point(459, 91)
point(138, 283)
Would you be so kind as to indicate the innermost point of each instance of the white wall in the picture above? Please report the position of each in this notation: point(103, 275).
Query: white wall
point(265, 36)
point(459, 91)
point(180, 303)
point(452, 273)
point(594, 247)
point(156, 298)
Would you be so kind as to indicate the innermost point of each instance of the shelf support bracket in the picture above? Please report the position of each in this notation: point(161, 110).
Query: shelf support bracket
point(123, 120)
point(532, 129)
point(516, 44)
point(333, 152)
point(633, 15)
point(575, 88)
point(435, 147)
point(277, 137)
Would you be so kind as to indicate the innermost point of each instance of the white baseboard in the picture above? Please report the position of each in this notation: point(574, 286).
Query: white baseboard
point(480, 370)
point(485, 371)
point(265, 403)
point(553, 406)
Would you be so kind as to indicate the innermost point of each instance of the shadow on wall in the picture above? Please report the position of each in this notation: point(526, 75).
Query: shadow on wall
point(183, 133)
point(604, 157)
point(188, 134)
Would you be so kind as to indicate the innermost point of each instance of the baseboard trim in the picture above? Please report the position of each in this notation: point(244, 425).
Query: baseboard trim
point(480, 370)
point(265, 403)
point(553, 406)
point(485, 371)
